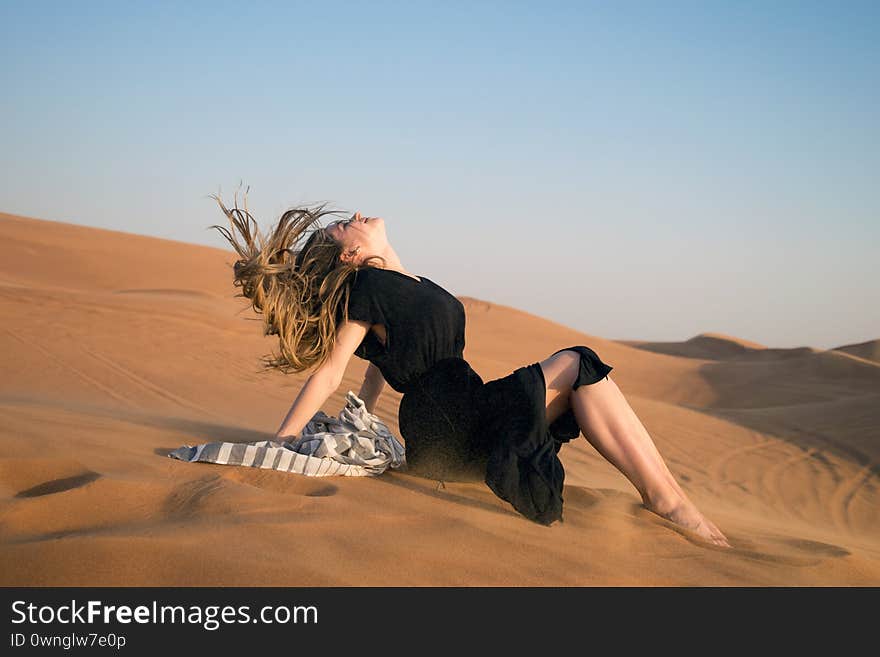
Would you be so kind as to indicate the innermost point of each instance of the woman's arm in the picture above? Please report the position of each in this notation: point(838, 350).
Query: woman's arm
point(325, 381)
point(372, 387)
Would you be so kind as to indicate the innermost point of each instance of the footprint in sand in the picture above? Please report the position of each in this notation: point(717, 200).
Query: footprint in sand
point(282, 482)
point(789, 551)
point(189, 497)
point(58, 485)
point(325, 490)
point(816, 547)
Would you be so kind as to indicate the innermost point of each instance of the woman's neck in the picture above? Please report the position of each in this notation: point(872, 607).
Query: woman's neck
point(392, 261)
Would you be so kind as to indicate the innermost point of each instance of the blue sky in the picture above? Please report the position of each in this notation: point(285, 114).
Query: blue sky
point(634, 170)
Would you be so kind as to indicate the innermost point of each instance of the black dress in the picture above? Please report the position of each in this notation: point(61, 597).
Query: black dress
point(455, 426)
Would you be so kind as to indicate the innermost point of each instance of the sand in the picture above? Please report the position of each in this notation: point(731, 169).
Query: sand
point(117, 348)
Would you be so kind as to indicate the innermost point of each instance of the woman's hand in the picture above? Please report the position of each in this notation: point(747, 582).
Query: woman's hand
point(285, 437)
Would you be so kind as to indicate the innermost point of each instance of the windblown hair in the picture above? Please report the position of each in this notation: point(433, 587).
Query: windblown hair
point(297, 291)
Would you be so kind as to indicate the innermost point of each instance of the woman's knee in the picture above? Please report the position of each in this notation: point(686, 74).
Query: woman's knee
point(560, 372)
point(591, 368)
point(559, 366)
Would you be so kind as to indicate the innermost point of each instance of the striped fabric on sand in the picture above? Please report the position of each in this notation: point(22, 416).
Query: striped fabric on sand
point(354, 444)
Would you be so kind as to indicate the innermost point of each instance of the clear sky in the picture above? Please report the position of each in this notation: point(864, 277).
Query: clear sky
point(634, 170)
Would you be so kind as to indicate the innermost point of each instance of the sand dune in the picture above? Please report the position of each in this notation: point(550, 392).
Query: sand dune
point(117, 348)
point(869, 350)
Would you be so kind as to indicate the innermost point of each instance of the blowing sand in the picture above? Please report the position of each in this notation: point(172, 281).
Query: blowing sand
point(118, 348)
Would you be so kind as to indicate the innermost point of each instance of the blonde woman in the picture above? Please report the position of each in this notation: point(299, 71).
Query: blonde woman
point(331, 292)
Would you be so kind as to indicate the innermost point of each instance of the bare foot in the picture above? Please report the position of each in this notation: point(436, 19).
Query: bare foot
point(685, 514)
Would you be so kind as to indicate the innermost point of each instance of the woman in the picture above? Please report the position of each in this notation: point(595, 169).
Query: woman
point(345, 292)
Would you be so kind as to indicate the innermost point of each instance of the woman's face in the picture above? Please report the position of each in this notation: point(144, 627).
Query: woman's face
point(359, 237)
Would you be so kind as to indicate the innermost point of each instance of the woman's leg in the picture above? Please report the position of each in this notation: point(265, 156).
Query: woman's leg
point(609, 423)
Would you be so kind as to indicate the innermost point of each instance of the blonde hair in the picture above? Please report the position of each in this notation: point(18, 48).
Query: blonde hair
point(297, 291)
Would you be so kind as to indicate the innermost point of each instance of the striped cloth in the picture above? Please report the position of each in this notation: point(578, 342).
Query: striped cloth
point(355, 444)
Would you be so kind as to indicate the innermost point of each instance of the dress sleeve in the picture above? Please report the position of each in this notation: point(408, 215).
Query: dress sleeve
point(363, 299)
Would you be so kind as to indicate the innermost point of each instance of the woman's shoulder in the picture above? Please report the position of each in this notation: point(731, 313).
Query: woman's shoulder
point(370, 277)
point(368, 282)
point(363, 278)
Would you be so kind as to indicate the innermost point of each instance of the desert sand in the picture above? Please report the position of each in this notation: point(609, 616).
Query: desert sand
point(118, 348)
